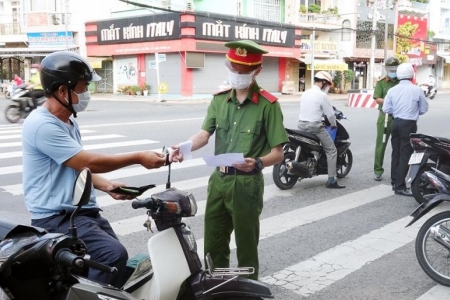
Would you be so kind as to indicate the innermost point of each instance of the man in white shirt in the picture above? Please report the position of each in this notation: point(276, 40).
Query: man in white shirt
point(313, 104)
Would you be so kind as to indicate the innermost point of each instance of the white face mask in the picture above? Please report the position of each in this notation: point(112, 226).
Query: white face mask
point(83, 101)
point(240, 81)
point(326, 89)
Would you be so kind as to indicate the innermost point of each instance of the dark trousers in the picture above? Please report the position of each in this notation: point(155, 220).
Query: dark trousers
point(401, 150)
point(102, 243)
point(35, 95)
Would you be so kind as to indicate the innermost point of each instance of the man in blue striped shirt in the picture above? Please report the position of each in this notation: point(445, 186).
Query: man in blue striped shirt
point(405, 102)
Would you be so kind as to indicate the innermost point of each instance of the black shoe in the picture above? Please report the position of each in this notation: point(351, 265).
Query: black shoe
point(334, 185)
point(406, 192)
point(377, 177)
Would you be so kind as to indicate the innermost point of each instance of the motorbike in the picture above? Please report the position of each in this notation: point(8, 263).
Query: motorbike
point(54, 266)
point(428, 93)
point(22, 104)
point(304, 156)
point(428, 152)
point(433, 239)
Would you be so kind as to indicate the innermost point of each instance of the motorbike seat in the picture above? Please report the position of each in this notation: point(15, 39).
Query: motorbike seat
point(305, 134)
point(445, 140)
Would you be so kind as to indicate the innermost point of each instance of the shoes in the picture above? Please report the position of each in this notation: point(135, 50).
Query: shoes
point(407, 193)
point(377, 177)
point(334, 185)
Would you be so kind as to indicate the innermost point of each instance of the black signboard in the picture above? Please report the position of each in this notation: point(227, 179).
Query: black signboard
point(139, 29)
point(226, 28)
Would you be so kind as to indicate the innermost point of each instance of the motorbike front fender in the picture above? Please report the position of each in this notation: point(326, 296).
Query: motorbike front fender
point(238, 287)
point(431, 202)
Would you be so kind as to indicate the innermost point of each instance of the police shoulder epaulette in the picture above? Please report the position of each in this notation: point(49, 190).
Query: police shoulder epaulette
point(271, 98)
point(222, 92)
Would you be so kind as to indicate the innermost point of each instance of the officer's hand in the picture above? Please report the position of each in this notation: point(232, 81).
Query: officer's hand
point(248, 166)
point(152, 160)
point(175, 155)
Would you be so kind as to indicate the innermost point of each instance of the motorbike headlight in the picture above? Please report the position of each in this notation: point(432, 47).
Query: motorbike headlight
point(190, 239)
point(193, 204)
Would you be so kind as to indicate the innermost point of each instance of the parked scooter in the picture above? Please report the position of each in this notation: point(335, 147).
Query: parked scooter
point(22, 104)
point(428, 152)
point(433, 239)
point(54, 266)
point(427, 92)
point(304, 156)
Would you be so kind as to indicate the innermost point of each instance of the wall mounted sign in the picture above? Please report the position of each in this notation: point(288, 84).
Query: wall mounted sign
point(139, 29)
point(226, 28)
point(50, 39)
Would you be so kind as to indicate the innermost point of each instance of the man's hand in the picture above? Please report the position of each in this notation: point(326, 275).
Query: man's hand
point(116, 196)
point(248, 166)
point(153, 160)
point(175, 155)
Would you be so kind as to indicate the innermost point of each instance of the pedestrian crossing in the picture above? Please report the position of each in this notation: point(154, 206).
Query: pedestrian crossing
point(301, 277)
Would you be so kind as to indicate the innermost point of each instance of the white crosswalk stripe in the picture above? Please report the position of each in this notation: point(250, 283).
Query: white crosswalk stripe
point(304, 277)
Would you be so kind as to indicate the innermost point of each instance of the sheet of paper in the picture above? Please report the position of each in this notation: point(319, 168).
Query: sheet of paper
point(185, 149)
point(226, 160)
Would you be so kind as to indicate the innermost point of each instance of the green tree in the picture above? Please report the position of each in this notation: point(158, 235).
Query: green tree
point(404, 33)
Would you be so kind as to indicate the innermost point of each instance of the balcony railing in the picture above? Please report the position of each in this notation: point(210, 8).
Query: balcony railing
point(9, 28)
point(46, 19)
point(319, 18)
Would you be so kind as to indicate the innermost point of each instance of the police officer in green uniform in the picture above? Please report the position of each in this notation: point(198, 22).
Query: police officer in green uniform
point(383, 125)
point(248, 120)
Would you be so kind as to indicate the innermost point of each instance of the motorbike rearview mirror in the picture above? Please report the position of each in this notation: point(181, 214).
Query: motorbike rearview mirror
point(82, 188)
point(81, 196)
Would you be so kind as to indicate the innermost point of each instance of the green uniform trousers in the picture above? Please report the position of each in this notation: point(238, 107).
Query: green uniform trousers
point(380, 147)
point(234, 202)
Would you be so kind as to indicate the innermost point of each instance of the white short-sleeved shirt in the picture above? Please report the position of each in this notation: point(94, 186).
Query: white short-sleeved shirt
point(47, 143)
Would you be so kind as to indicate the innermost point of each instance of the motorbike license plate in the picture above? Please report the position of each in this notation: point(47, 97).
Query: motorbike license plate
point(416, 158)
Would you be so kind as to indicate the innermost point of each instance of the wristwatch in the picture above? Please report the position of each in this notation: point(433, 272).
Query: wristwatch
point(258, 165)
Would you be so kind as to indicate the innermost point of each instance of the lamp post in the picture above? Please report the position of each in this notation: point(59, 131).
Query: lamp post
point(373, 44)
point(65, 21)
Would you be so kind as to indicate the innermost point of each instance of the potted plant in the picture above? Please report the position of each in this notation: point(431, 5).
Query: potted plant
point(134, 89)
point(348, 77)
point(144, 87)
point(303, 9)
point(337, 81)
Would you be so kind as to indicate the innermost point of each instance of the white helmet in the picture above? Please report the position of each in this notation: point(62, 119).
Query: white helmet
point(322, 75)
point(405, 71)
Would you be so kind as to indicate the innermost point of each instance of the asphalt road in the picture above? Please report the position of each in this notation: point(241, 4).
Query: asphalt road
point(315, 243)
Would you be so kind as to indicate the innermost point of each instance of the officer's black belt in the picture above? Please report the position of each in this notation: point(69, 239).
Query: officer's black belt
point(234, 171)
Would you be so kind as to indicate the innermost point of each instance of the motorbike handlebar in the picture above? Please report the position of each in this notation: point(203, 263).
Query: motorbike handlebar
point(148, 203)
point(67, 258)
point(101, 267)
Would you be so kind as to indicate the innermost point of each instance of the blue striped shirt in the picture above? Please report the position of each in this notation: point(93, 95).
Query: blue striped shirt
point(405, 101)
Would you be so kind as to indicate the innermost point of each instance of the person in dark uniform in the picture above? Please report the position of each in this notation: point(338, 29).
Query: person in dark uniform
point(405, 102)
point(248, 120)
point(384, 122)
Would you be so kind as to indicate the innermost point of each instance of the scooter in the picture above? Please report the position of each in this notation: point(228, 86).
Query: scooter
point(429, 151)
point(304, 156)
point(54, 266)
point(22, 104)
point(433, 239)
point(428, 93)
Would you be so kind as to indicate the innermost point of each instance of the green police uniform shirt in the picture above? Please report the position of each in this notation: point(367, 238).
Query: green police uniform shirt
point(252, 128)
point(382, 87)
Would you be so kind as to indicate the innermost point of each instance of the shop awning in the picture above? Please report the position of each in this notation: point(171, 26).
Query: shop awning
point(328, 65)
point(446, 58)
point(31, 52)
point(96, 61)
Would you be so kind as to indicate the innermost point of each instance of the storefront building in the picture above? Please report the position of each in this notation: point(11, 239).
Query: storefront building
point(184, 52)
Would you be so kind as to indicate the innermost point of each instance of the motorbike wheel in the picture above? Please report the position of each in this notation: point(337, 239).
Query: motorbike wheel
point(12, 113)
point(281, 178)
point(431, 255)
point(344, 164)
point(421, 185)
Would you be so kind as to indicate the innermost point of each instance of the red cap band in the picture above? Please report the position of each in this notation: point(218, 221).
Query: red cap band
point(242, 57)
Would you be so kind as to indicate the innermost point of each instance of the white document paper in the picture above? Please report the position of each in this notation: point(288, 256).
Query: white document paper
point(185, 149)
point(226, 160)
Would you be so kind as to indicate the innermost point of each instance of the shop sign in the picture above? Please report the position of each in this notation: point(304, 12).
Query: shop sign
point(324, 47)
point(50, 39)
point(416, 27)
point(139, 29)
point(223, 29)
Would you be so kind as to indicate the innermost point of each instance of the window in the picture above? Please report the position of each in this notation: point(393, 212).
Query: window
point(238, 8)
point(269, 10)
point(35, 5)
point(346, 31)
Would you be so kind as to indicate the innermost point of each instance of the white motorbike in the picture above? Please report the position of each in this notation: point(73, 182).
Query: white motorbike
point(428, 93)
point(54, 266)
